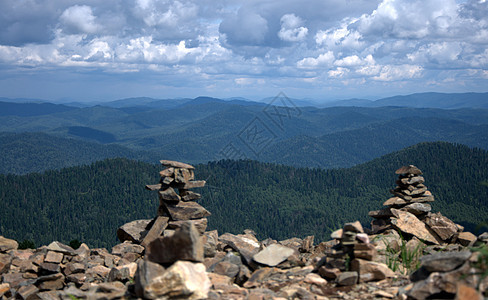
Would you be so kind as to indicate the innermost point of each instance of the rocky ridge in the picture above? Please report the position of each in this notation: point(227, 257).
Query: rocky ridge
point(173, 256)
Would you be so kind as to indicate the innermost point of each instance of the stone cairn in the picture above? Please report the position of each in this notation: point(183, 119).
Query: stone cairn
point(409, 211)
point(175, 208)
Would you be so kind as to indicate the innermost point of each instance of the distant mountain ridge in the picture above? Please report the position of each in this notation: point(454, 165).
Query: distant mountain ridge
point(416, 100)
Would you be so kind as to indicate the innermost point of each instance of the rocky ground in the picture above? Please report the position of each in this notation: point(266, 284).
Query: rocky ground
point(409, 253)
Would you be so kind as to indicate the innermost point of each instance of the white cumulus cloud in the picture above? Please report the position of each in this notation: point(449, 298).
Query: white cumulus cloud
point(292, 29)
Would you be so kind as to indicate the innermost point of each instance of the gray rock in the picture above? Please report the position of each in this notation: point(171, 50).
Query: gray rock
point(226, 268)
point(62, 248)
point(444, 261)
point(185, 244)
point(354, 227)
point(417, 208)
point(133, 231)
point(347, 278)
point(146, 273)
point(169, 195)
point(273, 255)
point(210, 239)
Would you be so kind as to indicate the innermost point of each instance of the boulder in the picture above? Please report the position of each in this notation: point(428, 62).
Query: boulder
point(444, 261)
point(133, 231)
point(273, 255)
point(441, 225)
point(408, 223)
point(62, 248)
point(54, 257)
point(354, 227)
point(183, 280)
point(370, 270)
point(27, 292)
point(185, 244)
point(7, 244)
point(146, 273)
point(210, 239)
point(466, 238)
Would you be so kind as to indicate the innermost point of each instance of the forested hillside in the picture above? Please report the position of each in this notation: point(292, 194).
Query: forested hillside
point(89, 202)
point(23, 153)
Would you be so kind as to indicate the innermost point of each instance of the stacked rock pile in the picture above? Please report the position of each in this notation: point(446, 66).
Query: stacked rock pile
point(352, 258)
point(410, 212)
point(176, 205)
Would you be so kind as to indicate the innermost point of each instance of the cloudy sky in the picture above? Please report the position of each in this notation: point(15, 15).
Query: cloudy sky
point(319, 49)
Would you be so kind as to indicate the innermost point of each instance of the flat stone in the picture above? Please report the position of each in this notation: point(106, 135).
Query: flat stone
point(127, 247)
point(200, 224)
point(169, 195)
point(62, 248)
point(8, 244)
point(329, 273)
point(186, 211)
point(466, 238)
point(412, 180)
point(49, 268)
point(154, 187)
point(183, 280)
point(51, 282)
point(54, 257)
point(27, 292)
point(417, 208)
point(273, 255)
point(411, 169)
point(189, 195)
point(371, 270)
point(185, 244)
point(133, 231)
point(365, 251)
point(246, 247)
point(441, 225)
point(408, 223)
point(73, 267)
point(354, 227)
point(347, 278)
point(176, 164)
point(395, 201)
point(159, 225)
point(444, 261)
point(192, 184)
